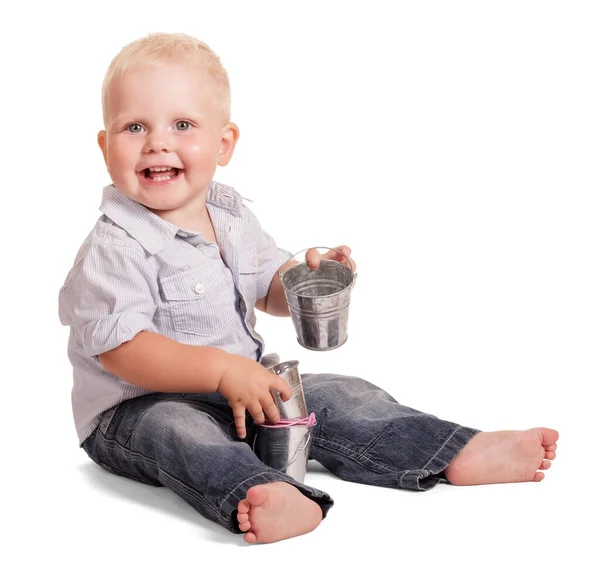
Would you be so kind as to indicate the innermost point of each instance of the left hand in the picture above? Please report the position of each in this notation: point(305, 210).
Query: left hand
point(313, 257)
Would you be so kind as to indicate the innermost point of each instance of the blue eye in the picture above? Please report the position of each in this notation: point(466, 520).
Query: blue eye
point(183, 125)
point(134, 128)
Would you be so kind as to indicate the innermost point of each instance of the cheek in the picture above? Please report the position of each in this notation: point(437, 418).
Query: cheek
point(121, 156)
point(195, 151)
point(198, 150)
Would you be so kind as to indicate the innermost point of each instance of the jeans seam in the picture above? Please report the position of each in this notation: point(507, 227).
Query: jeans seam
point(402, 477)
point(356, 457)
point(139, 420)
point(441, 448)
point(241, 484)
point(374, 441)
point(320, 498)
point(115, 446)
point(456, 437)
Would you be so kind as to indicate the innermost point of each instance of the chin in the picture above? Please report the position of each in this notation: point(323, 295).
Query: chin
point(166, 202)
point(161, 204)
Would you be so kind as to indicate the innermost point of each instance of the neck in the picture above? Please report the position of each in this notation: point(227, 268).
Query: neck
point(191, 217)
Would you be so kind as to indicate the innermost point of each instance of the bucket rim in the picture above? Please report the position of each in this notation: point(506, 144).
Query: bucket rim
point(300, 264)
point(283, 367)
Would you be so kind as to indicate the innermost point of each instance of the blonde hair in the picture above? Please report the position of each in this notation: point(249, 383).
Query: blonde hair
point(160, 47)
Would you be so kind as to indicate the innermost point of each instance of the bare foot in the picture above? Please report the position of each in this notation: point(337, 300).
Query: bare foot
point(277, 511)
point(504, 456)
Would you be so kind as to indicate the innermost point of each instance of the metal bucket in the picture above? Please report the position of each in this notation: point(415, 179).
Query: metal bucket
point(295, 407)
point(319, 302)
point(285, 448)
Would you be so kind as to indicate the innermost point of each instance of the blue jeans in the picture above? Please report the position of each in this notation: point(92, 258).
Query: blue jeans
point(188, 443)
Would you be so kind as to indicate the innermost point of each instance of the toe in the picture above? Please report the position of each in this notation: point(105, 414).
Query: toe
point(550, 455)
point(250, 537)
point(242, 517)
point(244, 526)
point(539, 476)
point(243, 506)
point(551, 448)
point(545, 465)
point(257, 495)
point(549, 436)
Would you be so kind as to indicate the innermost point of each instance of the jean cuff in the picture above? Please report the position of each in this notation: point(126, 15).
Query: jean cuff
point(228, 507)
point(432, 473)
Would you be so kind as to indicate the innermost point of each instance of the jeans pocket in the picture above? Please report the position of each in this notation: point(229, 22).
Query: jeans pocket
point(106, 419)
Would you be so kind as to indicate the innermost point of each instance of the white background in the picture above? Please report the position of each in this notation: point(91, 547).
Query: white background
point(452, 145)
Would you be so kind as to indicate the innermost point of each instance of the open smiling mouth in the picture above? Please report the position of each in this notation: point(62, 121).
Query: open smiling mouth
point(161, 174)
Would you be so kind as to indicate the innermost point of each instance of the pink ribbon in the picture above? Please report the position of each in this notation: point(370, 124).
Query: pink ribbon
point(309, 421)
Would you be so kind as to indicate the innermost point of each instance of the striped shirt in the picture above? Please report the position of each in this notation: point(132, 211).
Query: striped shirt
point(137, 272)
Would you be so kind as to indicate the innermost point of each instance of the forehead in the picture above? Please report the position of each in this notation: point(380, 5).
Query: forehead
point(165, 86)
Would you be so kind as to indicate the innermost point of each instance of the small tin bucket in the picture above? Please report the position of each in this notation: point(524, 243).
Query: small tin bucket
point(319, 302)
point(295, 407)
point(285, 447)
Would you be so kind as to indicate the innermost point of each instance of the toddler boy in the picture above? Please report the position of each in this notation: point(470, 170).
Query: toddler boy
point(169, 372)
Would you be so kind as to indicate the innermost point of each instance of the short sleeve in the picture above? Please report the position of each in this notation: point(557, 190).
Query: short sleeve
point(109, 296)
point(270, 257)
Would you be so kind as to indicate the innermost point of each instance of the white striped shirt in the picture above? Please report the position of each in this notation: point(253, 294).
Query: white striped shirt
point(137, 272)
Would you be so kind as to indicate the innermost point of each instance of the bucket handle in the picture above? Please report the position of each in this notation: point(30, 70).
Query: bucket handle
point(318, 247)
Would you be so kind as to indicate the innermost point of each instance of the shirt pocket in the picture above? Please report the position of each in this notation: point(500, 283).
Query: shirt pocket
point(199, 300)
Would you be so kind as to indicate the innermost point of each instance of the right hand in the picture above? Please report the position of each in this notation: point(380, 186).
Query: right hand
point(246, 384)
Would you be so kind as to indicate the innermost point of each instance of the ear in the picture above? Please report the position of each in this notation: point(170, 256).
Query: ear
point(102, 145)
point(229, 138)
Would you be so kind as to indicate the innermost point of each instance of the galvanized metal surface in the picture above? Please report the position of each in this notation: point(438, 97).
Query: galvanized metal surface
point(319, 302)
point(284, 448)
point(295, 407)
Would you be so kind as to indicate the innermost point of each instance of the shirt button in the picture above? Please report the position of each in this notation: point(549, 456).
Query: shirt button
point(199, 288)
point(255, 261)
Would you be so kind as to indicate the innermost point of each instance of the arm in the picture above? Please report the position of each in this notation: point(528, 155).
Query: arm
point(154, 362)
point(274, 303)
point(157, 363)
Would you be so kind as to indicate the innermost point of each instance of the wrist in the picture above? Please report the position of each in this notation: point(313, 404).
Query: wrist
point(220, 361)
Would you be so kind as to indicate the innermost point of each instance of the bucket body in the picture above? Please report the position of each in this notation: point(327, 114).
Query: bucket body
point(295, 407)
point(284, 448)
point(319, 303)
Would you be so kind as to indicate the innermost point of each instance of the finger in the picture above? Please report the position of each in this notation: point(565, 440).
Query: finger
point(340, 254)
point(280, 385)
point(313, 258)
point(256, 411)
point(270, 409)
point(239, 416)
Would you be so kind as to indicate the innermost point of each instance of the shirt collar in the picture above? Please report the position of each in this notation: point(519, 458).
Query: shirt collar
point(151, 231)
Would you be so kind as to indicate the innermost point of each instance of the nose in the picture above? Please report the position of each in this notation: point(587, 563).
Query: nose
point(158, 142)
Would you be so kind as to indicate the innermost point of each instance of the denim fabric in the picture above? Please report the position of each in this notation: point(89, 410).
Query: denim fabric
point(187, 442)
point(364, 435)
